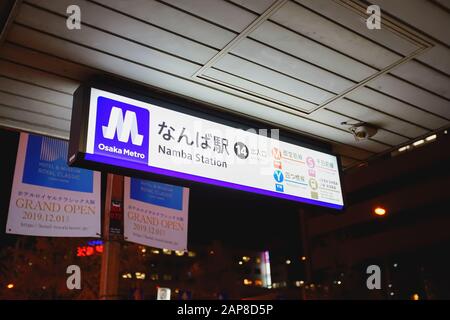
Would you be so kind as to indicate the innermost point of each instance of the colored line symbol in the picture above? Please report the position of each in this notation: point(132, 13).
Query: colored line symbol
point(310, 162)
point(276, 153)
point(278, 176)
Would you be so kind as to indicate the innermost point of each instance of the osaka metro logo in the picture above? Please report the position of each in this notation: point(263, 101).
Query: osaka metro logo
point(123, 127)
point(122, 130)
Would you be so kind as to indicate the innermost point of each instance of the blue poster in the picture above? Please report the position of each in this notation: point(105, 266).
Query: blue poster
point(160, 194)
point(45, 165)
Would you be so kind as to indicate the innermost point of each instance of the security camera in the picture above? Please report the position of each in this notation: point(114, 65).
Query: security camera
point(362, 130)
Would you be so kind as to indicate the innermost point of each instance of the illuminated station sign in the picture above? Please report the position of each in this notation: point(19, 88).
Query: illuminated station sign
point(152, 139)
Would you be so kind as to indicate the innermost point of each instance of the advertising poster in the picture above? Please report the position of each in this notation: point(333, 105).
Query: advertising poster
point(49, 198)
point(156, 214)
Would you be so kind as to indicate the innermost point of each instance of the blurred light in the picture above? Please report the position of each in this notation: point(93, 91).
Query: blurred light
point(303, 258)
point(246, 259)
point(299, 283)
point(266, 270)
point(142, 277)
point(211, 252)
point(403, 148)
point(258, 282)
point(143, 250)
point(395, 265)
point(154, 277)
point(418, 143)
point(240, 262)
point(390, 285)
point(258, 260)
point(191, 254)
point(44, 287)
point(339, 282)
point(167, 251)
point(247, 282)
point(10, 286)
point(155, 251)
point(415, 296)
point(391, 293)
point(288, 261)
point(179, 253)
point(167, 277)
point(124, 276)
point(430, 138)
point(445, 132)
point(30, 263)
point(379, 211)
point(99, 248)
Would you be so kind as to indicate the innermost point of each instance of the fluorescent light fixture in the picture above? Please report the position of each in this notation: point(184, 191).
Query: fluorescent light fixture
point(403, 148)
point(418, 142)
point(430, 138)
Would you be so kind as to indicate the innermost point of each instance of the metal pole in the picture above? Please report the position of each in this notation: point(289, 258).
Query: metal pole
point(109, 274)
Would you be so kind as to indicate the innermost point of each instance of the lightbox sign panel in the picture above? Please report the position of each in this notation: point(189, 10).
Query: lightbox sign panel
point(138, 135)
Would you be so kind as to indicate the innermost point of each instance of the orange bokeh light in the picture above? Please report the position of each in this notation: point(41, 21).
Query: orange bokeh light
point(379, 211)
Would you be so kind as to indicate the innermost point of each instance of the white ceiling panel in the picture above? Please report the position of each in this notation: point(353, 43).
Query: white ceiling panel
point(444, 3)
point(282, 98)
point(397, 108)
point(337, 12)
point(258, 6)
point(327, 32)
point(424, 77)
point(33, 105)
point(37, 77)
point(382, 120)
point(217, 11)
point(311, 51)
point(294, 67)
point(16, 114)
point(31, 91)
point(412, 94)
point(43, 61)
point(422, 14)
point(136, 30)
point(173, 20)
point(103, 41)
point(267, 77)
point(437, 57)
point(21, 125)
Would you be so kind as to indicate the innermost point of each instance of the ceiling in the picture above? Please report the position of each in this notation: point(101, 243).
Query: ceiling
point(303, 65)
